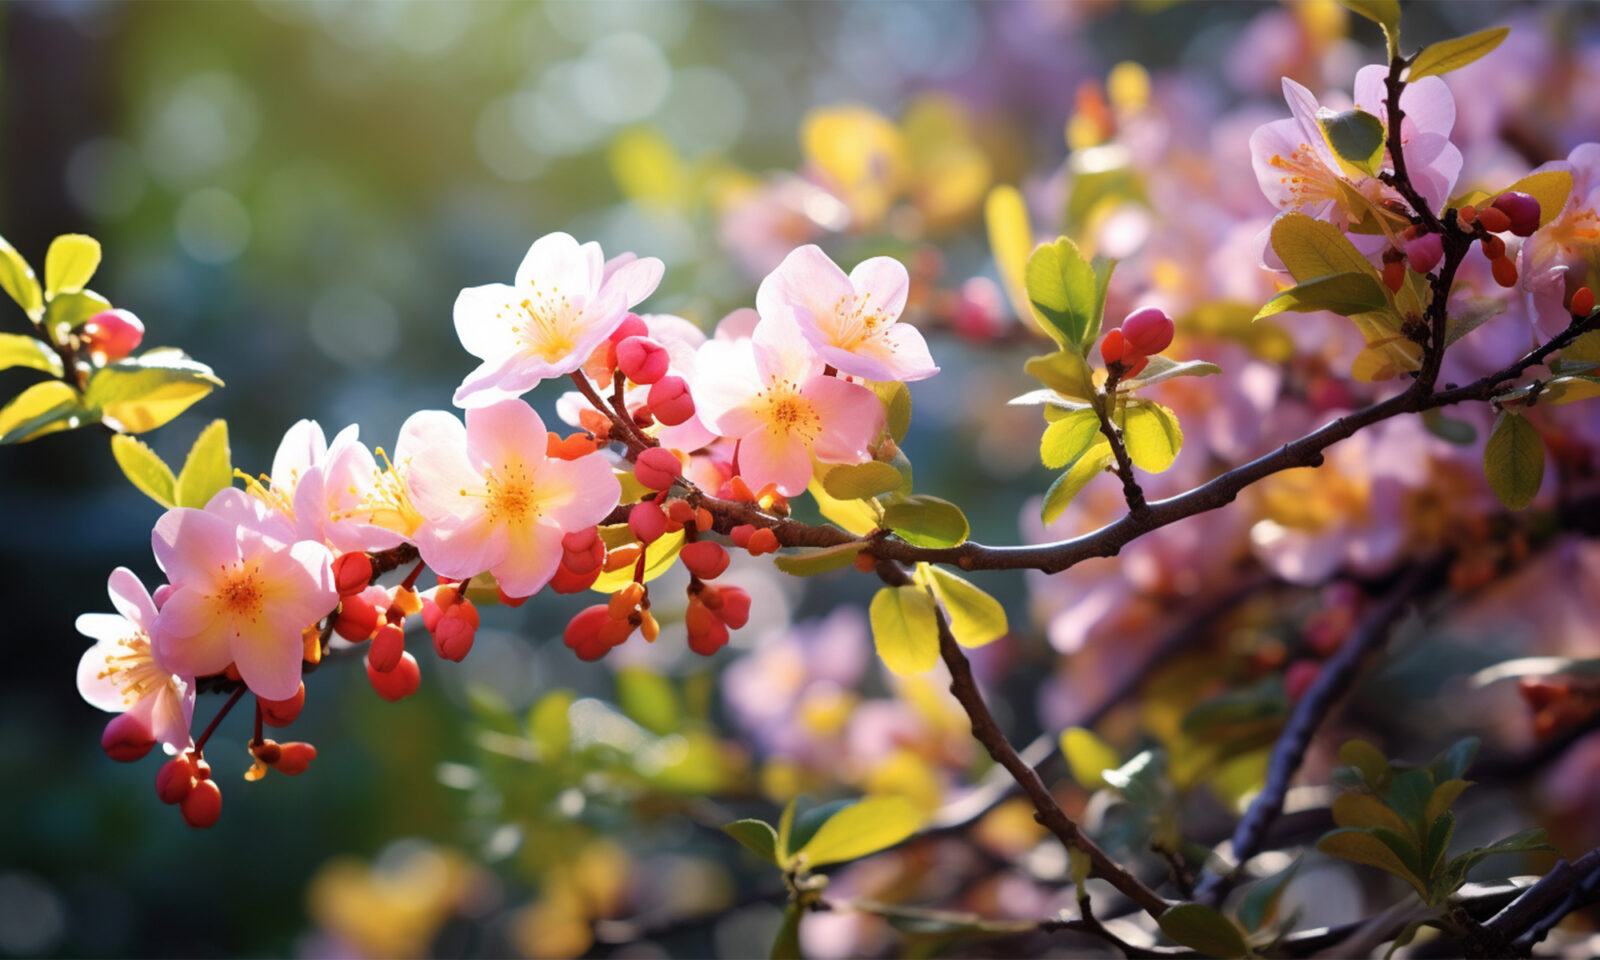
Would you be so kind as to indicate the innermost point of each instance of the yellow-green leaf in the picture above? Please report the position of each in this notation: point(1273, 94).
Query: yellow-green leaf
point(1447, 55)
point(896, 399)
point(659, 557)
point(1386, 14)
point(856, 516)
point(812, 561)
point(207, 469)
point(1074, 480)
point(1151, 434)
point(873, 824)
point(17, 350)
point(927, 521)
point(1203, 930)
point(1513, 460)
point(549, 724)
point(1444, 796)
point(858, 481)
point(1362, 810)
point(18, 280)
point(140, 394)
point(757, 836)
point(42, 408)
point(975, 617)
point(1563, 390)
point(1063, 289)
point(1346, 294)
point(1356, 137)
point(649, 699)
point(1362, 847)
point(1088, 756)
point(1065, 372)
point(1374, 766)
point(71, 261)
point(145, 470)
point(904, 630)
point(1005, 214)
point(1069, 438)
point(1312, 248)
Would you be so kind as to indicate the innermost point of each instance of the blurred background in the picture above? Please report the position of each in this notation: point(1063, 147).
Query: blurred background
point(294, 193)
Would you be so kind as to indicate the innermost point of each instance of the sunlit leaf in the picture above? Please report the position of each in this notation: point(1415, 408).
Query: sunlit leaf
point(1346, 294)
point(1447, 55)
point(140, 394)
point(659, 558)
point(70, 262)
point(896, 399)
point(19, 282)
point(858, 481)
point(17, 350)
point(1062, 288)
point(208, 468)
point(927, 521)
point(145, 470)
point(1151, 434)
point(42, 408)
point(856, 516)
point(1069, 438)
point(757, 836)
point(975, 617)
point(1069, 484)
point(1005, 214)
point(814, 560)
point(904, 629)
point(1088, 756)
point(1065, 372)
point(863, 828)
point(1161, 369)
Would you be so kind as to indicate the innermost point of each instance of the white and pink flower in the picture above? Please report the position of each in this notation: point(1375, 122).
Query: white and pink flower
point(120, 673)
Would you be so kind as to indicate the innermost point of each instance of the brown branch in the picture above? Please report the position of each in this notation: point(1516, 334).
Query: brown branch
point(1526, 920)
point(1049, 813)
point(1131, 491)
point(1337, 677)
point(623, 429)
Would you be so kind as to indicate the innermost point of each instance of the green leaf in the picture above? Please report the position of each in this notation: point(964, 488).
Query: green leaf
point(1374, 766)
point(1363, 810)
point(896, 399)
point(904, 630)
point(812, 561)
point(1346, 294)
point(17, 350)
point(1385, 13)
point(809, 820)
point(1140, 780)
point(549, 724)
point(1513, 460)
point(927, 521)
point(42, 408)
point(1161, 369)
point(1069, 484)
point(68, 310)
point(1062, 288)
point(1439, 835)
point(1471, 315)
point(1360, 846)
point(1564, 390)
point(208, 468)
point(1447, 55)
point(787, 944)
point(1453, 761)
point(1527, 841)
point(1047, 398)
point(17, 279)
point(873, 824)
point(1103, 266)
point(71, 261)
point(785, 829)
point(975, 617)
point(1204, 930)
point(1069, 438)
point(1444, 795)
point(856, 516)
point(1088, 756)
point(1408, 795)
point(757, 836)
point(1065, 372)
point(1151, 434)
point(145, 470)
point(1259, 906)
point(1356, 136)
point(1312, 248)
point(858, 481)
point(649, 700)
point(137, 395)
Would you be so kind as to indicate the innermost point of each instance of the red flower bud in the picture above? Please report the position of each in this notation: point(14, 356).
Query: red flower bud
point(712, 639)
point(352, 572)
point(565, 581)
point(1505, 272)
point(111, 335)
point(202, 806)
point(1425, 252)
point(387, 648)
point(642, 360)
point(705, 559)
point(175, 779)
point(657, 468)
point(453, 638)
point(357, 618)
point(734, 609)
point(398, 683)
point(583, 633)
point(1582, 302)
point(294, 758)
point(1522, 209)
point(670, 401)
point(1494, 220)
point(127, 738)
point(281, 713)
point(1112, 347)
point(1147, 331)
point(647, 521)
point(632, 326)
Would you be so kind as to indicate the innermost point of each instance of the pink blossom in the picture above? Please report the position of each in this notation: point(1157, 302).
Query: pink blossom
point(850, 320)
point(566, 300)
point(491, 500)
point(1563, 255)
point(770, 394)
point(120, 673)
point(1298, 170)
point(241, 594)
point(681, 339)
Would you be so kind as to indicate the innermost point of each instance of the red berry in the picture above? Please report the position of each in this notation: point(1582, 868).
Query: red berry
point(1394, 275)
point(387, 648)
point(583, 633)
point(399, 683)
point(670, 401)
point(1113, 347)
point(453, 638)
point(632, 326)
point(175, 779)
point(709, 642)
point(1522, 209)
point(294, 758)
point(1147, 331)
point(358, 617)
point(647, 521)
point(1494, 220)
point(565, 581)
point(657, 468)
point(735, 606)
point(111, 335)
point(642, 360)
point(352, 572)
point(1505, 272)
point(705, 559)
point(1425, 252)
point(1493, 247)
point(1299, 678)
point(203, 805)
point(1582, 302)
point(281, 713)
point(127, 738)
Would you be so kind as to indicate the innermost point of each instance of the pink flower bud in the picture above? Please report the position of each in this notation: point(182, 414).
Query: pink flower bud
point(670, 401)
point(175, 779)
point(1425, 252)
point(632, 326)
point(398, 683)
point(647, 521)
point(388, 646)
point(642, 360)
point(452, 639)
point(111, 335)
point(583, 633)
point(705, 559)
point(1148, 331)
point(657, 468)
point(127, 738)
point(1522, 209)
point(351, 573)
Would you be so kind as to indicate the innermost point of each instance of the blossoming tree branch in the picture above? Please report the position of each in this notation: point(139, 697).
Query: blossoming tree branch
point(677, 447)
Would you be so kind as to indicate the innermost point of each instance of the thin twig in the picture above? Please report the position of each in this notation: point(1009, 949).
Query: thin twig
point(1103, 398)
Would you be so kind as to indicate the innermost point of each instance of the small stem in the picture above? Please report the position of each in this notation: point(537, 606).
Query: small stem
point(256, 741)
point(200, 744)
point(1103, 399)
point(410, 581)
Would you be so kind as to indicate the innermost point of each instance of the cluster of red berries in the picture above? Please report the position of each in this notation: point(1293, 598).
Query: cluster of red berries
point(645, 361)
point(1144, 333)
point(1513, 211)
point(1559, 702)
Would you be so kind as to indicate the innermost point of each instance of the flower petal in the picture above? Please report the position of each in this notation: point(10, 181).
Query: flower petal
point(303, 446)
point(531, 560)
point(504, 435)
point(191, 545)
point(574, 494)
point(852, 418)
point(268, 658)
point(884, 283)
point(131, 599)
point(556, 262)
point(189, 639)
point(766, 456)
point(486, 320)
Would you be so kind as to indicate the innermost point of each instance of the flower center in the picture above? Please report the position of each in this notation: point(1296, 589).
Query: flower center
point(383, 502)
point(133, 670)
point(787, 412)
point(545, 325)
point(509, 495)
point(240, 594)
point(855, 322)
point(1307, 178)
